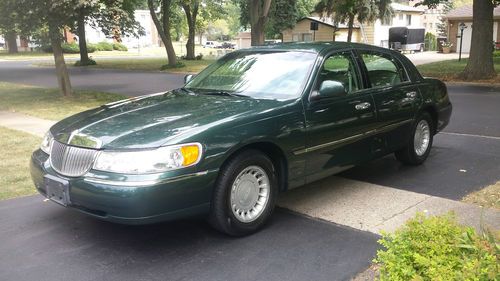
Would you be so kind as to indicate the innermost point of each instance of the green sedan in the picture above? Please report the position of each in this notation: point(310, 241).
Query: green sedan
point(253, 124)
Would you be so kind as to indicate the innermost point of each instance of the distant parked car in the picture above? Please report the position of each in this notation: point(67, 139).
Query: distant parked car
point(210, 44)
point(227, 45)
point(254, 123)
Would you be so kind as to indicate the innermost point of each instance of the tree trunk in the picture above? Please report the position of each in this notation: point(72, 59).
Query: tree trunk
point(82, 40)
point(11, 38)
point(480, 64)
point(191, 20)
point(258, 11)
point(61, 70)
point(350, 26)
point(164, 30)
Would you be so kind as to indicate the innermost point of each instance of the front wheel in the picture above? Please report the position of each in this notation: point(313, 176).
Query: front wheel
point(419, 145)
point(244, 194)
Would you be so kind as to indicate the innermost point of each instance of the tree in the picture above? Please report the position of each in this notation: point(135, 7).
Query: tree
point(442, 26)
point(346, 11)
point(255, 13)
point(191, 7)
point(284, 14)
point(480, 63)
point(114, 17)
point(55, 14)
point(164, 26)
point(8, 25)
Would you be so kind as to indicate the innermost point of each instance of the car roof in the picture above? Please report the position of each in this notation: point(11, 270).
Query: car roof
point(316, 47)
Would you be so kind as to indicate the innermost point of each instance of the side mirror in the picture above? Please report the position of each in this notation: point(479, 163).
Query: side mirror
point(188, 78)
point(329, 89)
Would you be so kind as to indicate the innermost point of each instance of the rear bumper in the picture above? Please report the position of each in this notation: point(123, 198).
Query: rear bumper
point(444, 115)
point(136, 202)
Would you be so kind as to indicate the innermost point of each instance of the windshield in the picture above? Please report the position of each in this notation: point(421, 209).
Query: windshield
point(257, 74)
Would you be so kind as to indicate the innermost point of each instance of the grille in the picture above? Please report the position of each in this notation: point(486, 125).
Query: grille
point(71, 161)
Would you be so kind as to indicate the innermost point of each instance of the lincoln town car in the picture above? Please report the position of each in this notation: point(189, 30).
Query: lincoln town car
point(253, 124)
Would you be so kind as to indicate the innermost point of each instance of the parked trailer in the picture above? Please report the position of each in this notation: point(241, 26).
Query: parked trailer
point(406, 39)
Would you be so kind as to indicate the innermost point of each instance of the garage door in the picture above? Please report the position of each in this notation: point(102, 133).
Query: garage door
point(468, 36)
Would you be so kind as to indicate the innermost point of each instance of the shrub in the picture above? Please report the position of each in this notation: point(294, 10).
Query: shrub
point(119, 47)
point(496, 53)
point(91, 48)
point(178, 65)
point(104, 46)
point(90, 62)
point(430, 42)
point(437, 248)
point(199, 57)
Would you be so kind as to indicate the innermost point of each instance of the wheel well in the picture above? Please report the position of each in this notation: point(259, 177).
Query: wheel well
point(276, 155)
point(434, 115)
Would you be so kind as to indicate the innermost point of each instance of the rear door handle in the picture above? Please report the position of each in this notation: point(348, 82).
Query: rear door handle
point(362, 106)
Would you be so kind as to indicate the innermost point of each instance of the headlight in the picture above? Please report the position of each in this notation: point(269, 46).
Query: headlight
point(46, 142)
point(149, 161)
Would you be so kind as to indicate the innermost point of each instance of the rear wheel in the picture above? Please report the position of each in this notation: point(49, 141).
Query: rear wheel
point(244, 194)
point(419, 145)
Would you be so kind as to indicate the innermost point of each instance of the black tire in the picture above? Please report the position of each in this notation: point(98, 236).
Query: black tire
point(221, 216)
point(408, 154)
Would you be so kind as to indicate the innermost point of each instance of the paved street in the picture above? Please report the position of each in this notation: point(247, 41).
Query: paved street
point(132, 83)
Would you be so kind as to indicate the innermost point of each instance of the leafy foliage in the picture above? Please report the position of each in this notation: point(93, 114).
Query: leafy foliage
point(119, 47)
point(437, 248)
point(104, 46)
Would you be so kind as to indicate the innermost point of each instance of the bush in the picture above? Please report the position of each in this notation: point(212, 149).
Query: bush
point(70, 48)
point(90, 62)
point(104, 46)
point(119, 47)
point(178, 65)
point(437, 248)
point(91, 48)
point(430, 42)
point(496, 53)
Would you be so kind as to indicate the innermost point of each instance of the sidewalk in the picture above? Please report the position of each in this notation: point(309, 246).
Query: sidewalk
point(377, 208)
point(25, 123)
point(356, 204)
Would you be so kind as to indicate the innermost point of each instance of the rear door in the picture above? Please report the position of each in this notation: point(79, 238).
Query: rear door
point(338, 127)
point(396, 98)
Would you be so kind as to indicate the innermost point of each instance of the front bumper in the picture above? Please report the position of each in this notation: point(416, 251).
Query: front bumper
point(146, 199)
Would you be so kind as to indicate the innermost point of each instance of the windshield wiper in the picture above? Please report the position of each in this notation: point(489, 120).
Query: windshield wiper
point(223, 93)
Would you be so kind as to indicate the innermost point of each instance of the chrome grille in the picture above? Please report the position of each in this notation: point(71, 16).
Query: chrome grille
point(71, 161)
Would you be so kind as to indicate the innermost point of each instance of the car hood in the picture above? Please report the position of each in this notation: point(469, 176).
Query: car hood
point(155, 120)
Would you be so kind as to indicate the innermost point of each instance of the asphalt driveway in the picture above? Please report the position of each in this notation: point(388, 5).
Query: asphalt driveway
point(43, 241)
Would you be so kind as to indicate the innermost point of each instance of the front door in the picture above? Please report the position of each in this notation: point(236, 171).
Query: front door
point(338, 127)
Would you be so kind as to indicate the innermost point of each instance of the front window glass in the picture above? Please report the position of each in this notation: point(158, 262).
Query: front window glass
point(257, 74)
point(340, 67)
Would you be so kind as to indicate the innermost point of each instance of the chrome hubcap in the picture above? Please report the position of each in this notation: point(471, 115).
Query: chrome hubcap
point(249, 194)
point(422, 137)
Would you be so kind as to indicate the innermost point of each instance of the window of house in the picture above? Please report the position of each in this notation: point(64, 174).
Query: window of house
point(307, 37)
point(386, 21)
point(408, 19)
point(295, 37)
point(383, 70)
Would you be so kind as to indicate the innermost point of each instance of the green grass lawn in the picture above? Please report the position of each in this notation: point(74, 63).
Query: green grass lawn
point(41, 55)
point(16, 148)
point(48, 103)
point(448, 69)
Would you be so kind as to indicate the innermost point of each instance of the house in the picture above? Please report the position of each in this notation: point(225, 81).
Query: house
point(375, 33)
point(243, 40)
point(464, 15)
point(431, 17)
point(326, 31)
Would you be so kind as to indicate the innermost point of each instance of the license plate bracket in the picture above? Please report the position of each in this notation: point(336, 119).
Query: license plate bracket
point(57, 190)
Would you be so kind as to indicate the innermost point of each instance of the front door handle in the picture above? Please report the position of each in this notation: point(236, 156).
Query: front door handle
point(362, 106)
point(411, 94)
